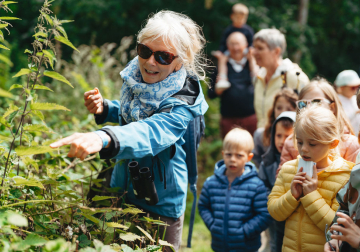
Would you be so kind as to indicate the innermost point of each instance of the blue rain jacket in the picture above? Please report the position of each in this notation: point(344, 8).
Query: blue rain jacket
point(235, 214)
point(161, 135)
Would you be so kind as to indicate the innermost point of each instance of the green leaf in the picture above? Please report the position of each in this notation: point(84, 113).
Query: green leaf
point(146, 234)
point(116, 225)
point(92, 218)
point(83, 241)
point(4, 138)
point(132, 210)
point(25, 151)
point(57, 76)
point(62, 30)
point(4, 93)
point(28, 161)
point(129, 237)
point(81, 80)
point(32, 240)
point(10, 110)
point(38, 114)
point(37, 87)
point(66, 42)
point(14, 86)
point(153, 248)
point(4, 122)
point(42, 34)
point(6, 60)
point(165, 243)
point(8, 2)
point(126, 248)
point(23, 71)
point(3, 26)
point(97, 198)
point(37, 127)
point(47, 106)
point(17, 219)
point(9, 18)
point(51, 56)
point(28, 51)
point(31, 182)
point(4, 47)
point(66, 21)
point(48, 18)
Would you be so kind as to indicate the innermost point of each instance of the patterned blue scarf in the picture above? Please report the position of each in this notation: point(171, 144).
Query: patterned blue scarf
point(140, 100)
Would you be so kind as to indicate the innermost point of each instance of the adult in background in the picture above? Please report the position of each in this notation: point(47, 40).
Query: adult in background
point(275, 72)
point(160, 95)
point(231, 82)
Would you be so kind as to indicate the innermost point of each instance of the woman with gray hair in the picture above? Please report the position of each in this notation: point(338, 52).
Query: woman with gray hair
point(275, 72)
point(160, 95)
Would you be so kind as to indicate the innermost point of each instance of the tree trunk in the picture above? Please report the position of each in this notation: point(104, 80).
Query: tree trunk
point(302, 19)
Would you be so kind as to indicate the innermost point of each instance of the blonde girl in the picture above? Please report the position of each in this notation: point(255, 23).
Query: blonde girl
point(320, 92)
point(284, 100)
point(308, 203)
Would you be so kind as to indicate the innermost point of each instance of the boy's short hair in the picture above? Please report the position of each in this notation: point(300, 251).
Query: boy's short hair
point(286, 122)
point(239, 139)
point(240, 9)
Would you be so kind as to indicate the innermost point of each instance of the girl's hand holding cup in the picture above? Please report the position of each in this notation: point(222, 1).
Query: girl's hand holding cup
point(310, 183)
point(296, 184)
point(94, 101)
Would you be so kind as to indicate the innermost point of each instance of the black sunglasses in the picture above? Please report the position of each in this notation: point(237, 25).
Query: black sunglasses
point(163, 58)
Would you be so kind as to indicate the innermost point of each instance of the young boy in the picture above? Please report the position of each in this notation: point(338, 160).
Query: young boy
point(233, 202)
point(281, 129)
point(347, 84)
point(239, 15)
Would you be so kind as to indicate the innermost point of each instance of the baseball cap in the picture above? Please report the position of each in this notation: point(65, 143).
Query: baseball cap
point(347, 78)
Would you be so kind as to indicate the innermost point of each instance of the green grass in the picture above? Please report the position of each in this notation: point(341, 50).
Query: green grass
point(201, 238)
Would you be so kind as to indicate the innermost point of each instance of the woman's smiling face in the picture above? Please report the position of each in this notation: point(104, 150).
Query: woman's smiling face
point(151, 70)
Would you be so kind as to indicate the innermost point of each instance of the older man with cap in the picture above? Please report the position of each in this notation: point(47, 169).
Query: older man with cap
point(232, 83)
point(347, 84)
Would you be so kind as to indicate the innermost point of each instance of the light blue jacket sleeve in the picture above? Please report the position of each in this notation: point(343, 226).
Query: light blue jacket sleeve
point(112, 112)
point(150, 136)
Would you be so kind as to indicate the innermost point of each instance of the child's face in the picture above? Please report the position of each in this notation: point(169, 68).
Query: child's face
point(235, 160)
point(238, 19)
point(311, 150)
point(282, 105)
point(349, 91)
point(281, 133)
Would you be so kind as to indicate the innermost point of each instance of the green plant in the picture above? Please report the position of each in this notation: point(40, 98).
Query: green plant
point(43, 201)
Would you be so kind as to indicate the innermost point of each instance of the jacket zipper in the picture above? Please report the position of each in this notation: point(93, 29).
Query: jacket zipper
point(299, 237)
point(226, 216)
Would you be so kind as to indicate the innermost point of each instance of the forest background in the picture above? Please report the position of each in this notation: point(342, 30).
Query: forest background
point(322, 37)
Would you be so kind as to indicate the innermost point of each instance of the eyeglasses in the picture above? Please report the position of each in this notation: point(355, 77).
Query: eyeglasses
point(303, 103)
point(163, 58)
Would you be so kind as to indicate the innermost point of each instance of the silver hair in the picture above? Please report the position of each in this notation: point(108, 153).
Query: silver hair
point(183, 34)
point(273, 38)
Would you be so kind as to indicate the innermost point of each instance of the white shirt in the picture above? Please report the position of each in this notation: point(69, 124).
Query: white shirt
point(350, 107)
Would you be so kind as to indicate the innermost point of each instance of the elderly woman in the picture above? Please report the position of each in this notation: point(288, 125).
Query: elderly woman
point(160, 95)
point(275, 72)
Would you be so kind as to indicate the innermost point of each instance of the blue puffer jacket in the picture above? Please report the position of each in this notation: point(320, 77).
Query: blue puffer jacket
point(161, 135)
point(235, 214)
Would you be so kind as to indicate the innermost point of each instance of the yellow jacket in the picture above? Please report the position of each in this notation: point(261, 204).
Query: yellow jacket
point(264, 94)
point(306, 218)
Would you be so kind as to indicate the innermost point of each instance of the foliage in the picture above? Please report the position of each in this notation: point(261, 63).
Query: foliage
point(43, 201)
point(326, 39)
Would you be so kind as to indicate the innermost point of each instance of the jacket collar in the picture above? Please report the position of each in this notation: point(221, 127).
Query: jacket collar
point(220, 169)
point(286, 65)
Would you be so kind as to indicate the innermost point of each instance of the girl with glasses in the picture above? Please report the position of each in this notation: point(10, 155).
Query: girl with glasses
point(308, 203)
point(160, 96)
point(320, 92)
